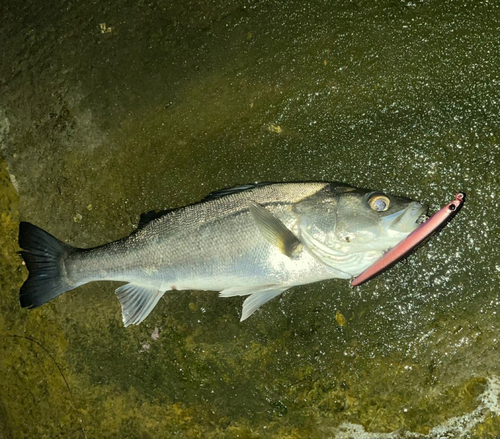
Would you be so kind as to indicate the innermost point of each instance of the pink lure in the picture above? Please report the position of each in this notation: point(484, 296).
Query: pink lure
point(405, 247)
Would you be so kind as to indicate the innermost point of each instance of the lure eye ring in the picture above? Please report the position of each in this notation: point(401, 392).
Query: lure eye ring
point(375, 203)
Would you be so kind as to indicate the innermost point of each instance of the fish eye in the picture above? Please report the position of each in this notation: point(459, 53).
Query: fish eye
point(379, 203)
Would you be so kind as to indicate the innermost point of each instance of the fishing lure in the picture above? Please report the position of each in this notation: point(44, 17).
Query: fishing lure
point(405, 247)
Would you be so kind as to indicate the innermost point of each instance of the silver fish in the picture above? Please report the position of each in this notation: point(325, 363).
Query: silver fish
point(255, 240)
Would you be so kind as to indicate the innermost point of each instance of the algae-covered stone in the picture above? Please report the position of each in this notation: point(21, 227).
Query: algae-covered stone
point(177, 101)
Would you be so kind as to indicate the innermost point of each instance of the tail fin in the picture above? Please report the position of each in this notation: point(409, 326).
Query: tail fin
point(44, 256)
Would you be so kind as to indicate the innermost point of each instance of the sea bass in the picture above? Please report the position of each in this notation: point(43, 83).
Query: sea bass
point(255, 240)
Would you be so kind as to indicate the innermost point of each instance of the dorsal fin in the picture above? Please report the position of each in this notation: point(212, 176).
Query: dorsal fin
point(147, 217)
point(233, 190)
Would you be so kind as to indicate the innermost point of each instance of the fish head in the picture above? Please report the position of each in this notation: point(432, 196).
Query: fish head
point(345, 221)
point(373, 220)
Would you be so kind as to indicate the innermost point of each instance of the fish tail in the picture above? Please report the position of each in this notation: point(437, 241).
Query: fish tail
point(44, 256)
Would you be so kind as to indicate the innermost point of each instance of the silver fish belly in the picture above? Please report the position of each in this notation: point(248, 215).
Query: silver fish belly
point(254, 240)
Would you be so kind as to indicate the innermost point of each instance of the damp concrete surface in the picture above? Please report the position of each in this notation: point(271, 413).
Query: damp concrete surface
point(113, 108)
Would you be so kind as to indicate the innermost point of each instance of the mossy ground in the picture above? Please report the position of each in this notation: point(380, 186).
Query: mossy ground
point(179, 100)
point(81, 374)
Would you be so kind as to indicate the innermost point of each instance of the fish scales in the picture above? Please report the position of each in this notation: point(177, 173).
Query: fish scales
point(209, 245)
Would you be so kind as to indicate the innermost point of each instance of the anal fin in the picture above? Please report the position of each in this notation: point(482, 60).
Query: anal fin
point(137, 302)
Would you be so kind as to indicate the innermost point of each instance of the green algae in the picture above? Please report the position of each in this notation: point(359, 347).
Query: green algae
point(488, 428)
point(252, 380)
point(414, 352)
point(32, 383)
point(86, 375)
point(116, 383)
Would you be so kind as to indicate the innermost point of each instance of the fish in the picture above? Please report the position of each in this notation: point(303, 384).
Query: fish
point(255, 240)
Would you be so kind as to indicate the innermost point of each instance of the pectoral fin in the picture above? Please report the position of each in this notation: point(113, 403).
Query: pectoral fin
point(273, 230)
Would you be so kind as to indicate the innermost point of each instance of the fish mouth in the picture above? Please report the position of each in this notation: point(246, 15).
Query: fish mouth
point(409, 219)
point(422, 218)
